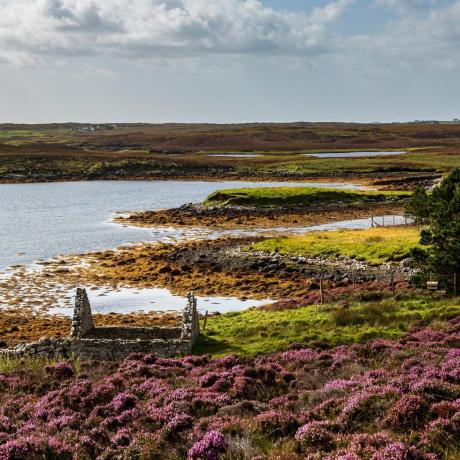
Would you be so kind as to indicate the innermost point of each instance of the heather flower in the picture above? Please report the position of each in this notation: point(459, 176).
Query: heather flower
point(79, 389)
point(339, 385)
point(442, 434)
point(315, 435)
point(276, 423)
point(101, 394)
point(61, 370)
point(63, 421)
point(207, 380)
point(88, 445)
point(151, 387)
point(226, 362)
point(364, 406)
point(445, 409)
point(13, 450)
point(152, 407)
point(123, 401)
point(398, 451)
point(209, 447)
point(408, 413)
point(5, 424)
point(179, 422)
point(57, 449)
point(122, 438)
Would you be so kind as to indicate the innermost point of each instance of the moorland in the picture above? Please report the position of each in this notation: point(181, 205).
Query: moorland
point(278, 151)
point(355, 354)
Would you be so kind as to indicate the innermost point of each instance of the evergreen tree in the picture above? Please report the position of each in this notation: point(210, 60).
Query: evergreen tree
point(417, 207)
point(442, 236)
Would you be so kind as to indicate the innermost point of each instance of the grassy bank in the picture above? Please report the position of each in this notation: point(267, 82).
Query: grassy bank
point(257, 331)
point(374, 245)
point(297, 196)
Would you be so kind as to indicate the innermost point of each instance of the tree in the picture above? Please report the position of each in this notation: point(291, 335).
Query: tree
point(442, 236)
point(417, 207)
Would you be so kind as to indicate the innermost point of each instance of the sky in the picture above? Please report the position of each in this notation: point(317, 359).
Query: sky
point(229, 61)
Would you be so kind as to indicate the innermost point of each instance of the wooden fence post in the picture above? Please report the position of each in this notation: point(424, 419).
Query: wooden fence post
point(321, 289)
point(205, 320)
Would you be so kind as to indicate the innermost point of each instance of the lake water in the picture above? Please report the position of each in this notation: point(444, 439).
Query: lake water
point(354, 154)
point(132, 300)
point(40, 221)
point(234, 155)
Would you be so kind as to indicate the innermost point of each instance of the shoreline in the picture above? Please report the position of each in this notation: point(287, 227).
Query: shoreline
point(223, 217)
point(385, 180)
point(223, 267)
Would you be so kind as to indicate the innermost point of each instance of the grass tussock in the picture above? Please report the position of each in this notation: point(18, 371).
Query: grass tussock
point(375, 245)
point(36, 364)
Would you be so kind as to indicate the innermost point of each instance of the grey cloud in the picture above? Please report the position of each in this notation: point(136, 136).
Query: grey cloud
point(162, 27)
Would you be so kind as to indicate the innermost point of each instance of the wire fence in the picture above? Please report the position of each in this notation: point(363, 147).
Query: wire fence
point(390, 281)
point(391, 221)
point(443, 283)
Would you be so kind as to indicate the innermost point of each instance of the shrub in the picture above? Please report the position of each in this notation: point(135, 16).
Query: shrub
point(208, 448)
point(315, 435)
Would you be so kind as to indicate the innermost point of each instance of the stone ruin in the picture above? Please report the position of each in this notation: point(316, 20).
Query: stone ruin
point(112, 343)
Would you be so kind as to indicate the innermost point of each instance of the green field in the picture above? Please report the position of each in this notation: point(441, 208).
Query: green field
point(298, 196)
point(21, 133)
point(257, 331)
point(374, 245)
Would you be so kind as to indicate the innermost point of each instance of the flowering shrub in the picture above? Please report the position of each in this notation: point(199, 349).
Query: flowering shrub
point(375, 401)
point(60, 370)
point(315, 435)
point(409, 412)
point(208, 448)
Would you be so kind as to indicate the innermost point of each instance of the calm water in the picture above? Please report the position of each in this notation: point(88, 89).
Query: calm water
point(131, 300)
point(234, 155)
point(39, 221)
point(354, 154)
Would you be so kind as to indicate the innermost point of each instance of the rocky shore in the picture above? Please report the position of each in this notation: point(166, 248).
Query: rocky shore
point(227, 267)
point(234, 217)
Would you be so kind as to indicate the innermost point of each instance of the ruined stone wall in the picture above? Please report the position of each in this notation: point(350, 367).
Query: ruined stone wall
point(114, 343)
point(46, 348)
point(135, 333)
point(103, 349)
point(82, 321)
point(190, 321)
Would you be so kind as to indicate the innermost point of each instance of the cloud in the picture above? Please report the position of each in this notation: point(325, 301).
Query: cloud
point(428, 40)
point(161, 28)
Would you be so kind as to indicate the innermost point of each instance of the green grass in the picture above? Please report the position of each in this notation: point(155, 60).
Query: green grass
point(256, 331)
point(297, 196)
point(9, 365)
point(374, 245)
point(33, 363)
point(20, 142)
point(23, 133)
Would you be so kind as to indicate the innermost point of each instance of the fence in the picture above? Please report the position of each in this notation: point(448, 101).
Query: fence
point(389, 280)
point(443, 283)
point(391, 221)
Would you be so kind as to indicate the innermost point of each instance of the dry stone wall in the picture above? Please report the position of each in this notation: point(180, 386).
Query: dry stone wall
point(46, 348)
point(82, 321)
point(109, 343)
